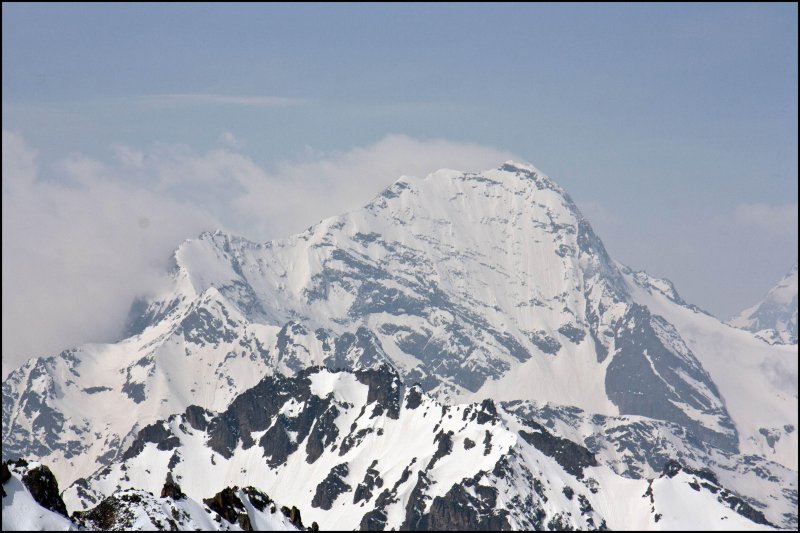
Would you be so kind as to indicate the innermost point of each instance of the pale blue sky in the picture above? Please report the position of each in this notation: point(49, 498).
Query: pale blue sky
point(673, 126)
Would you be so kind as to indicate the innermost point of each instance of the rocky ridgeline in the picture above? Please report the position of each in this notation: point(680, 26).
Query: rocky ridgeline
point(472, 466)
point(125, 509)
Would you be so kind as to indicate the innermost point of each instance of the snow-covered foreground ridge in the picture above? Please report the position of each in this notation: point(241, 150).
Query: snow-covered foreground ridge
point(473, 285)
point(31, 502)
point(364, 451)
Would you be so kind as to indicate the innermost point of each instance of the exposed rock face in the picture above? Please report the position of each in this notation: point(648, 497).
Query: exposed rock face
point(43, 486)
point(132, 509)
point(5, 475)
point(331, 487)
point(172, 489)
point(654, 374)
point(112, 514)
point(705, 479)
point(254, 411)
point(372, 480)
point(155, 433)
point(458, 510)
point(293, 515)
point(325, 418)
point(197, 417)
point(385, 390)
point(572, 457)
point(228, 505)
point(135, 509)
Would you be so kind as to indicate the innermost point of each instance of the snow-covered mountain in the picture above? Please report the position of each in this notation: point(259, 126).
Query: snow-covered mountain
point(377, 455)
point(473, 285)
point(31, 502)
point(774, 319)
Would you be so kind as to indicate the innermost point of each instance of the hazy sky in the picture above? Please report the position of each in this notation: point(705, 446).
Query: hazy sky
point(128, 128)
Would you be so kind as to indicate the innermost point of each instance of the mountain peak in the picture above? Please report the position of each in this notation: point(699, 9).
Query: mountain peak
point(516, 166)
point(473, 285)
point(774, 318)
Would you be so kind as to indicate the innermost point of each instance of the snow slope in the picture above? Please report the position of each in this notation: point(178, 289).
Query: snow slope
point(22, 513)
point(137, 510)
point(758, 382)
point(363, 450)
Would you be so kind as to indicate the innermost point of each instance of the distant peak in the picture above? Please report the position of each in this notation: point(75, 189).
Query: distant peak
point(219, 236)
point(515, 166)
point(210, 234)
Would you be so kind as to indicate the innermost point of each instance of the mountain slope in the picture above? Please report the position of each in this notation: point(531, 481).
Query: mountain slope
point(80, 409)
point(473, 285)
point(374, 454)
point(466, 279)
point(774, 319)
point(758, 382)
point(33, 503)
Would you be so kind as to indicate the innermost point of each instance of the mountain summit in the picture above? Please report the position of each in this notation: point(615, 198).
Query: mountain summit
point(774, 318)
point(471, 285)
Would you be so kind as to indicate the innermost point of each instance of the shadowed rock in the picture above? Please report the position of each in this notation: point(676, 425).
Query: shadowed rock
point(171, 489)
point(43, 487)
point(228, 505)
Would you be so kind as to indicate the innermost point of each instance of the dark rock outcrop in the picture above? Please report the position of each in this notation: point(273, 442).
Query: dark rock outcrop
point(458, 510)
point(196, 416)
point(571, 456)
point(5, 475)
point(158, 433)
point(708, 480)
point(228, 505)
point(414, 397)
point(325, 432)
point(372, 480)
point(258, 499)
point(43, 486)
point(385, 390)
point(487, 412)
point(171, 489)
point(444, 448)
point(293, 515)
point(112, 514)
point(331, 487)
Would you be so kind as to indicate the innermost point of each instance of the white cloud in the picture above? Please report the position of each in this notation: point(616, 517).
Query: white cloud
point(19, 163)
point(231, 141)
point(215, 99)
point(79, 246)
point(300, 193)
point(129, 157)
point(770, 218)
point(75, 251)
